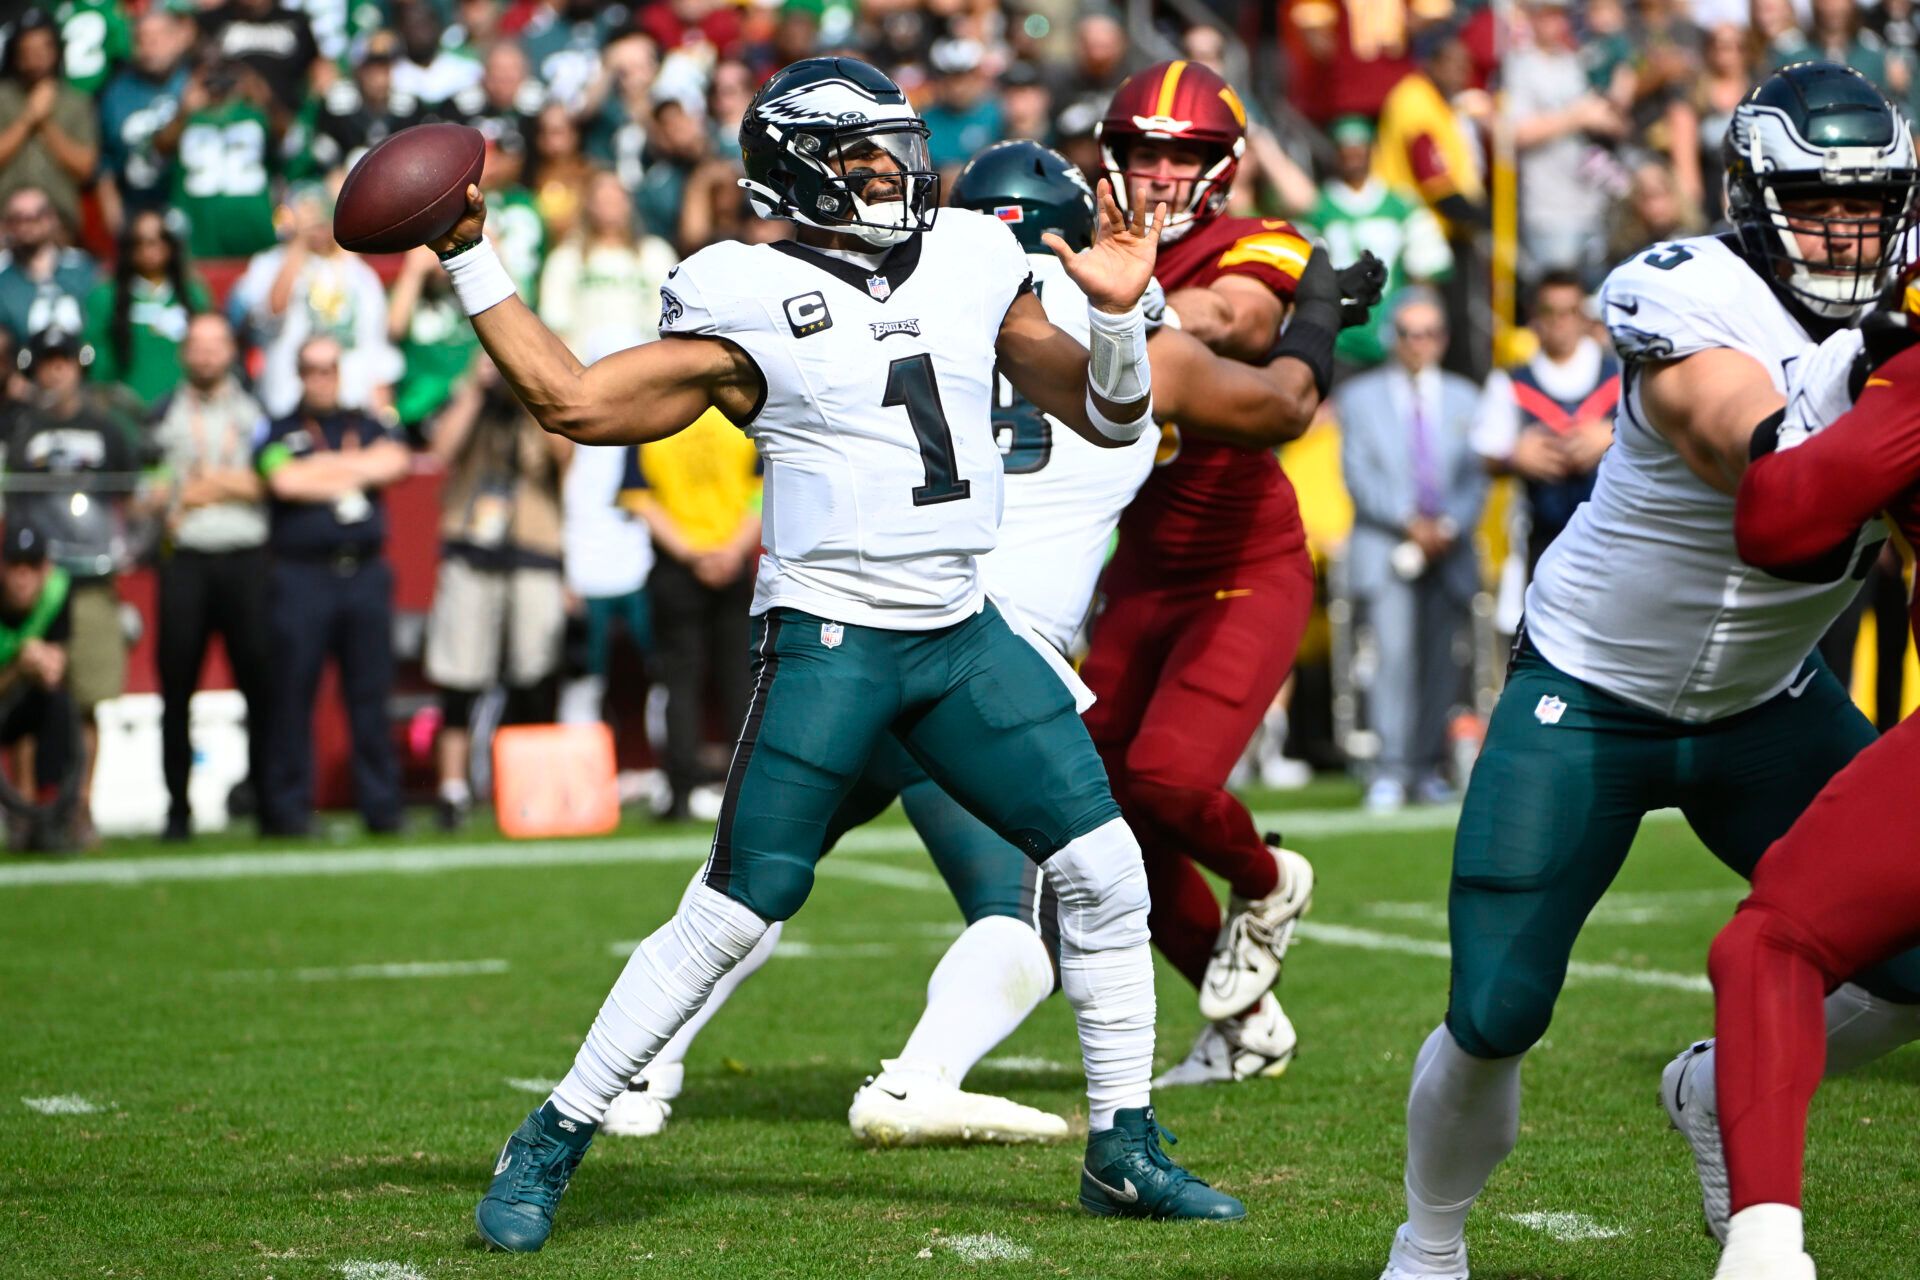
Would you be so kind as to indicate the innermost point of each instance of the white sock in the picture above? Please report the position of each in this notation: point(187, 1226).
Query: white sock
point(1106, 967)
point(665, 1073)
point(1463, 1117)
point(666, 981)
point(1863, 1027)
point(456, 791)
point(990, 979)
point(1766, 1231)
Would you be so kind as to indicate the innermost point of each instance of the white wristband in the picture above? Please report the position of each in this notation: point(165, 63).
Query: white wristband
point(1117, 355)
point(1118, 432)
point(479, 278)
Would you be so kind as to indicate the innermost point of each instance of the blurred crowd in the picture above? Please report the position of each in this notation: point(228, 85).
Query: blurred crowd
point(194, 378)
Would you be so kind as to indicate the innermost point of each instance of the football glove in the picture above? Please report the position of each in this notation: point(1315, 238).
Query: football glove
point(1360, 288)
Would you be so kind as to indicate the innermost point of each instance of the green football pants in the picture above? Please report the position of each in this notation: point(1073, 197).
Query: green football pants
point(972, 704)
point(1564, 778)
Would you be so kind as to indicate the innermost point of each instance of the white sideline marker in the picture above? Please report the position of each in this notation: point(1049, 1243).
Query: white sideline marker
point(65, 1104)
point(1029, 1065)
point(1566, 1227)
point(986, 1248)
point(354, 972)
point(357, 1270)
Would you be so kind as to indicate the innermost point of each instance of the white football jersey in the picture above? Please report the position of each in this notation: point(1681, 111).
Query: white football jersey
point(1064, 494)
point(883, 482)
point(1643, 595)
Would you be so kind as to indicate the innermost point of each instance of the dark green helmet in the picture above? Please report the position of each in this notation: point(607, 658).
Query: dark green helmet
point(817, 137)
point(1031, 188)
point(1821, 132)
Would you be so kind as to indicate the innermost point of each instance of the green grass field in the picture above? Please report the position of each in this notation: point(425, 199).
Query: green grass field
point(304, 1060)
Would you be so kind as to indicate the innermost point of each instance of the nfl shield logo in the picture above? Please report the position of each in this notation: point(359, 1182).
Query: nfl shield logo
point(1549, 710)
point(831, 634)
point(878, 287)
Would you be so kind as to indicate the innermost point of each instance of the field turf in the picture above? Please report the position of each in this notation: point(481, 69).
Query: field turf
point(309, 1074)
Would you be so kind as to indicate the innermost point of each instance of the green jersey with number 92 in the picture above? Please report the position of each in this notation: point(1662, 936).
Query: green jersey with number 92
point(883, 478)
point(220, 181)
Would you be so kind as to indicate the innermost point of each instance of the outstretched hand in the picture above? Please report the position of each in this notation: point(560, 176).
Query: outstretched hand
point(1113, 272)
point(468, 229)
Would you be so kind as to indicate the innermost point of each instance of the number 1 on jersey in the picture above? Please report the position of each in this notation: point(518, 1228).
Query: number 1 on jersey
point(910, 383)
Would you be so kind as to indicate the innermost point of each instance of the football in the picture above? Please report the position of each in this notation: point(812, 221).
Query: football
point(409, 189)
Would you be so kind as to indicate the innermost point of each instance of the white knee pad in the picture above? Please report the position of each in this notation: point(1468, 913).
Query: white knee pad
point(1102, 887)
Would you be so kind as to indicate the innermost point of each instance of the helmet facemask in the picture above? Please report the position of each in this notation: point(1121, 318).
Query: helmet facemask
point(1206, 196)
point(831, 172)
point(1841, 281)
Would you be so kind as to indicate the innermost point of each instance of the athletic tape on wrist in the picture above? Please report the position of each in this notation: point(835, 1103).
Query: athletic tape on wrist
point(1122, 432)
point(479, 278)
point(1117, 354)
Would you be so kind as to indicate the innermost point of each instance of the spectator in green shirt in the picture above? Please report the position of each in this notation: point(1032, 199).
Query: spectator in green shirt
point(95, 39)
point(137, 320)
point(223, 141)
point(436, 343)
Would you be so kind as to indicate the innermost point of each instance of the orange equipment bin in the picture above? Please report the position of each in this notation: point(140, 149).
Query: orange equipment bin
point(554, 780)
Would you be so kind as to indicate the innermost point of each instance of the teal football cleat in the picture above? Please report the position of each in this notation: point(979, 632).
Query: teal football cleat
point(531, 1175)
point(1127, 1175)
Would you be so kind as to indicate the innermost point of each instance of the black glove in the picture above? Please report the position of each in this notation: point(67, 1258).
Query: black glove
point(1360, 287)
point(1886, 331)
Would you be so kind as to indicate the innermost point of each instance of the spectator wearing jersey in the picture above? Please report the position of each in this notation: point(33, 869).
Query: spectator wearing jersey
point(509, 100)
point(1560, 125)
point(619, 105)
point(95, 38)
point(358, 113)
point(49, 133)
point(274, 41)
point(1417, 488)
point(70, 469)
point(136, 104)
point(590, 282)
point(1356, 51)
point(563, 44)
point(223, 144)
point(36, 631)
point(964, 116)
point(137, 320)
point(43, 282)
point(427, 72)
point(676, 149)
point(1355, 212)
point(330, 593)
point(311, 287)
point(213, 559)
point(499, 605)
point(513, 219)
point(1550, 421)
point(436, 344)
point(699, 494)
point(1424, 144)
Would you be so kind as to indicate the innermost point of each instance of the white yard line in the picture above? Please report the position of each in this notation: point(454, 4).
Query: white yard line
point(433, 859)
point(1031, 1066)
point(527, 1084)
point(354, 972)
point(1566, 1227)
point(65, 1104)
point(1340, 935)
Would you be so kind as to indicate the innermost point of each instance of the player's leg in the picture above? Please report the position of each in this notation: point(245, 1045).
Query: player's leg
point(1552, 808)
point(1232, 656)
point(1752, 781)
point(817, 710)
point(1003, 739)
point(995, 973)
point(1839, 892)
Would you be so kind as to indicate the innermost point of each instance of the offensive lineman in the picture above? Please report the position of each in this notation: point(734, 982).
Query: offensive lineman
point(1064, 498)
point(861, 359)
point(1653, 667)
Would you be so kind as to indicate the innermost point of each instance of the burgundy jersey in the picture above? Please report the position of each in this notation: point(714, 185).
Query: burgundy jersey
point(1210, 506)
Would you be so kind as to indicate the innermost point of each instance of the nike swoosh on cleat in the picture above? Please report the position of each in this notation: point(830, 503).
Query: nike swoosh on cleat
point(1127, 1196)
point(505, 1161)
